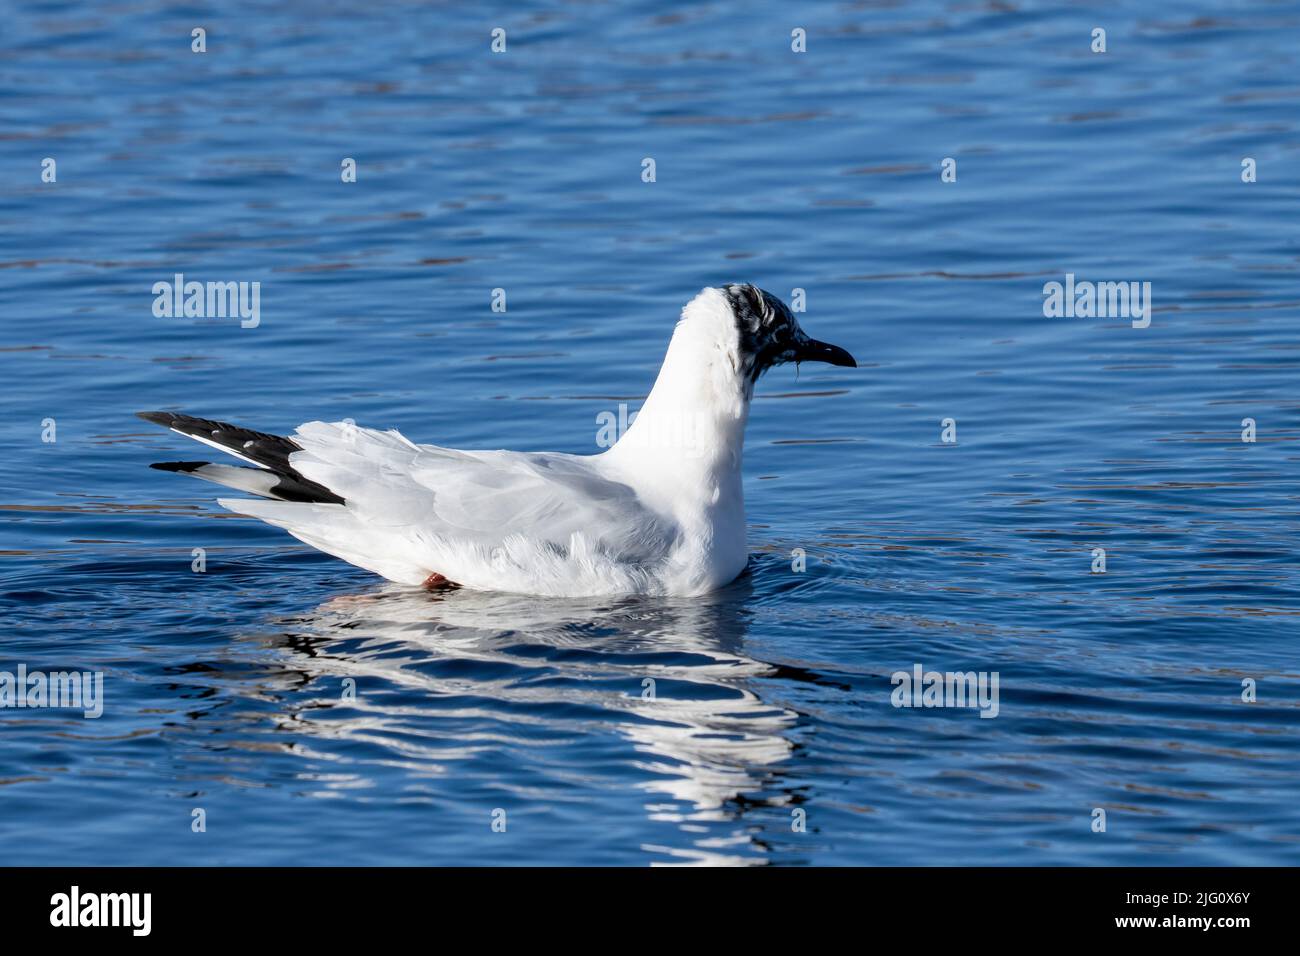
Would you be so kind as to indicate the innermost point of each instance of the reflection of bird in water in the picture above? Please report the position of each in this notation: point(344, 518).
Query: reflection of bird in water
point(668, 675)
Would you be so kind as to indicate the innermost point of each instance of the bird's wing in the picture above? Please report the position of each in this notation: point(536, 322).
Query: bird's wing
point(476, 517)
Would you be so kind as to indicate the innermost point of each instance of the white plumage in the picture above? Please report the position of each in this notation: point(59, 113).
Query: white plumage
point(661, 512)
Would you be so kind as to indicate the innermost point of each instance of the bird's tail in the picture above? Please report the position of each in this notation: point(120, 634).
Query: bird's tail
point(271, 477)
point(307, 509)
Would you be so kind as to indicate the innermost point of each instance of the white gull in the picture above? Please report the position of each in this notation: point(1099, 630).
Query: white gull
point(660, 512)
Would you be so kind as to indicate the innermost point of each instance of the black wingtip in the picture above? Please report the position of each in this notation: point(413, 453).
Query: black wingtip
point(181, 466)
point(158, 418)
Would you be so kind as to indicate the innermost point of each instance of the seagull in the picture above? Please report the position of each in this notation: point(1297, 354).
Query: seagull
point(660, 512)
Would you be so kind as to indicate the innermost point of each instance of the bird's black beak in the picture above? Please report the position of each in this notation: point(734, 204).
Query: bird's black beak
point(814, 351)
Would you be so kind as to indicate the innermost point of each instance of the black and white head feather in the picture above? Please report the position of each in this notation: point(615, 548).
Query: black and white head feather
point(769, 333)
point(726, 339)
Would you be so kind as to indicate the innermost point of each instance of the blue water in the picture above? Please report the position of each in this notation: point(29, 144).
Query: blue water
point(224, 690)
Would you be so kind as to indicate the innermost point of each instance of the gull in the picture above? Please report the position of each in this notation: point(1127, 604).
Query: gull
point(660, 512)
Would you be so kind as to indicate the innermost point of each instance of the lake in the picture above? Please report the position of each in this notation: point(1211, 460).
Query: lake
point(1099, 512)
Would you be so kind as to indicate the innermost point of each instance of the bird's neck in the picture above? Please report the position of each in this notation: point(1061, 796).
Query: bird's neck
point(691, 428)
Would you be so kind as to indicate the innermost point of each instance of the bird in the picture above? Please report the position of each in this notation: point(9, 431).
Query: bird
point(659, 512)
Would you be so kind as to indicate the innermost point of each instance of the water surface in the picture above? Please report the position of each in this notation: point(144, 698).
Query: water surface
point(229, 691)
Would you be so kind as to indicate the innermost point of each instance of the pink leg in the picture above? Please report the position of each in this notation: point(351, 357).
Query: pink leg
point(436, 582)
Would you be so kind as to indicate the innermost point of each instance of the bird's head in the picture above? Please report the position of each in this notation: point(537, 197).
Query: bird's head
point(770, 335)
point(725, 340)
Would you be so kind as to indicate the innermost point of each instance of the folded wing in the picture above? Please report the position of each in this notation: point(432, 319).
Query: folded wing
point(545, 523)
